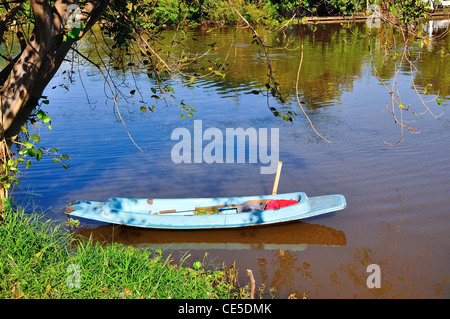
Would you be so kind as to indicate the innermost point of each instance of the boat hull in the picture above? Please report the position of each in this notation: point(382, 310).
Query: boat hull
point(147, 212)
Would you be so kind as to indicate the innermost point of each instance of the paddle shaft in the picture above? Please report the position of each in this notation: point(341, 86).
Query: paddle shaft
point(219, 207)
point(277, 178)
point(223, 207)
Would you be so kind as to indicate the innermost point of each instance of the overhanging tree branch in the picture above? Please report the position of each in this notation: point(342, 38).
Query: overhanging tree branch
point(41, 59)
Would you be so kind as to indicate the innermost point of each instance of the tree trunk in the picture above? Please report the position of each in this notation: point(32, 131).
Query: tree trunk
point(24, 80)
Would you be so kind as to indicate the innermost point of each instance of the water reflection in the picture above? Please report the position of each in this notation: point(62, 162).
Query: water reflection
point(345, 103)
point(335, 57)
point(294, 236)
point(436, 28)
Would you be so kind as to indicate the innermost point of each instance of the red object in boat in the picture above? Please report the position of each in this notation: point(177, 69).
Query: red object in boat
point(278, 203)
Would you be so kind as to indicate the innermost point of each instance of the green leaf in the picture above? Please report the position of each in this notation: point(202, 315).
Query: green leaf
point(31, 152)
point(439, 101)
point(27, 164)
point(40, 114)
point(219, 73)
point(393, 9)
point(15, 180)
point(35, 138)
point(74, 33)
point(273, 91)
point(192, 79)
point(197, 265)
point(71, 34)
point(39, 154)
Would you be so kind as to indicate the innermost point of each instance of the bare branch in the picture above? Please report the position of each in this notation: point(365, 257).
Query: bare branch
point(298, 99)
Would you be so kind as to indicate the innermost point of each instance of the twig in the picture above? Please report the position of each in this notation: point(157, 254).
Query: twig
point(106, 78)
point(288, 22)
point(252, 283)
point(298, 99)
point(269, 65)
point(392, 90)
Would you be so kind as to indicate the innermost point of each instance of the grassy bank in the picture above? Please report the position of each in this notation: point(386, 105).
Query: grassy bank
point(39, 259)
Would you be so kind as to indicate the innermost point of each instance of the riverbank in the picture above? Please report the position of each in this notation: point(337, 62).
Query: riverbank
point(437, 15)
point(42, 260)
point(274, 14)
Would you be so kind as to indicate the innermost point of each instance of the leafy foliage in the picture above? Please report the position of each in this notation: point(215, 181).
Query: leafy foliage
point(347, 7)
point(28, 149)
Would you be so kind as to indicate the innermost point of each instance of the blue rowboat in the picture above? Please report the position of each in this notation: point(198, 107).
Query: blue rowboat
point(204, 213)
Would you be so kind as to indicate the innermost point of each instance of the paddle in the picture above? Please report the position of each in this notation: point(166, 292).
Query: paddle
point(226, 207)
point(277, 178)
point(218, 207)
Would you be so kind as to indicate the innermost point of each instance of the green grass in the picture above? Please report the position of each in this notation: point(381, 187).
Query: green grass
point(39, 259)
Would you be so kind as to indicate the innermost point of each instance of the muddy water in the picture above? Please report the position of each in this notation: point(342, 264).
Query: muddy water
point(398, 195)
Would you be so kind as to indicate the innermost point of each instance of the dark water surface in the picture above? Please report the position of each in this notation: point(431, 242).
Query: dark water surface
point(398, 195)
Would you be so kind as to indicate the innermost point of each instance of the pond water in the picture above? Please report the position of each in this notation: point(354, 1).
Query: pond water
point(398, 195)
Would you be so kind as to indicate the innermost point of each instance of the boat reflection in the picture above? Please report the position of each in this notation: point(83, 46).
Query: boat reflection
point(437, 27)
point(295, 236)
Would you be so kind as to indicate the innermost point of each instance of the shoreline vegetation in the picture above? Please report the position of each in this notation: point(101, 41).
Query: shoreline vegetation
point(43, 260)
point(276, 14)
